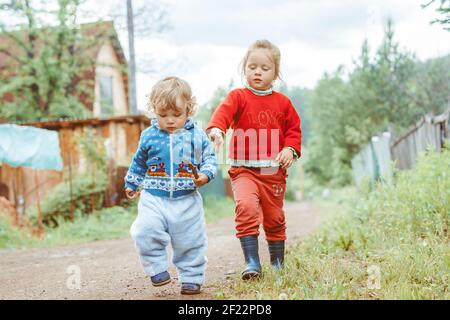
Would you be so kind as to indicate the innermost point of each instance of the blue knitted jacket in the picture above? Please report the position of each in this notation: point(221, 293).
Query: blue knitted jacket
point(158, 166)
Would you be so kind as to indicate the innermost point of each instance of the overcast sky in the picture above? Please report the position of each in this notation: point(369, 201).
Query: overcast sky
point(209, 38)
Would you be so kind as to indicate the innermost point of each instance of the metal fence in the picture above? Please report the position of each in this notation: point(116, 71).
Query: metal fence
point(375, 160)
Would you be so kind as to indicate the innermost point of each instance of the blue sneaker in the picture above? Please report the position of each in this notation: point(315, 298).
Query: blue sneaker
point(190, 288)
point(160, 279)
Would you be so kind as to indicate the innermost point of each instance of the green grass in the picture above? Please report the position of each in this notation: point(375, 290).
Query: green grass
point(11, 237)
point(217, 208)
point(109, 223)
point(398, 230)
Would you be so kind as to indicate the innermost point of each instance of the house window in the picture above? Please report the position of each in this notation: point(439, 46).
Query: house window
point(106, 96)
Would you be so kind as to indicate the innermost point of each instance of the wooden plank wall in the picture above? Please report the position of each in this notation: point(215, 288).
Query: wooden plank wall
point(123, 133)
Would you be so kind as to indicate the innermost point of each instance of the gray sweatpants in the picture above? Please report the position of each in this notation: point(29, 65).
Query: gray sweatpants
point(179, 221)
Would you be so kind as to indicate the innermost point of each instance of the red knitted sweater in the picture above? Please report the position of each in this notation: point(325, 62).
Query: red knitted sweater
point(262, 125)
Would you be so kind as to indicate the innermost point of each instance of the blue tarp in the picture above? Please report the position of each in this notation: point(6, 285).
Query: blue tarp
point(23, 146)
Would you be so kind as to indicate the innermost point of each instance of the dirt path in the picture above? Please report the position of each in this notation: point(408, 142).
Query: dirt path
point(111, 269)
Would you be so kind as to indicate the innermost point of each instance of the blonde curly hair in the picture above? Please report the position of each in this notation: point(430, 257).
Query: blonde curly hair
point(166, 93)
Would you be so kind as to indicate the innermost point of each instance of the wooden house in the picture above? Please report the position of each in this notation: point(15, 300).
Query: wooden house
point(104, 67)
point(121, 131)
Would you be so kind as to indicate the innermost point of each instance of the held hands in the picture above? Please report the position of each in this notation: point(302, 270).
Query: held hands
point(201, 180)
point(131, 194)
point(216, 137)
point(285, 158)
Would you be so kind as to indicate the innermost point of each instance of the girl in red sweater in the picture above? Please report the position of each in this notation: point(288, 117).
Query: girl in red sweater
point(266, 140)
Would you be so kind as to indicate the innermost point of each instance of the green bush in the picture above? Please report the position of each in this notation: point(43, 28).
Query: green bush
point(86, 196)
point(82, 194)
point(11, 237)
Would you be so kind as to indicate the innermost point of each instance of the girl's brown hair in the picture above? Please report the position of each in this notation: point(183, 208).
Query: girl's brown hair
point(263, 44)
point(165, 93)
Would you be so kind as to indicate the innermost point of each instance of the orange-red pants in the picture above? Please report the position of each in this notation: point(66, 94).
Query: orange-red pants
point(259, 200)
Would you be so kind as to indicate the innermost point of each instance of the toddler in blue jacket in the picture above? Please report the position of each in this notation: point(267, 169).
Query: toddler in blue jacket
point(174, 158)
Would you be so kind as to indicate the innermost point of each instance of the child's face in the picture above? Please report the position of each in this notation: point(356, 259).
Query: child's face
point(171, 120)
point(260, 69)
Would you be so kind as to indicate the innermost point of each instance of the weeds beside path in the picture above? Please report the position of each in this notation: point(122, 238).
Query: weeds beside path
point(390, 240)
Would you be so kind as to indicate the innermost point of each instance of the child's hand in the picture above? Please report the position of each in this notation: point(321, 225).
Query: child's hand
point(285, 158)
point(216, 137)
point(131, 194)
point(201, 180)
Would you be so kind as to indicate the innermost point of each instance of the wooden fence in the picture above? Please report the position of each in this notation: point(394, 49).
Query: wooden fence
point(430, 132)
point(374, 160)
point(24, 186)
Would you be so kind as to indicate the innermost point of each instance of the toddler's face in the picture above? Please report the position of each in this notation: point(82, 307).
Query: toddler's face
point(260, 69)
point(171, 120)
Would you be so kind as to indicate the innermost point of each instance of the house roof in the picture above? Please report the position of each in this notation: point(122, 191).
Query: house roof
point(105, 31)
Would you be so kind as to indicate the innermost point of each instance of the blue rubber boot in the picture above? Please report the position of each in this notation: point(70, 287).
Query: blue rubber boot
point(276, 250)
point(249, 246)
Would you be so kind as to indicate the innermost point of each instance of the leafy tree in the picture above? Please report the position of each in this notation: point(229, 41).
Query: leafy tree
point(50, 60)
point(300, 99)
point(326, 113)
point(380, 88)
point(345, 114)
point(205, 111)
point(443, 10)
point(431, 87)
